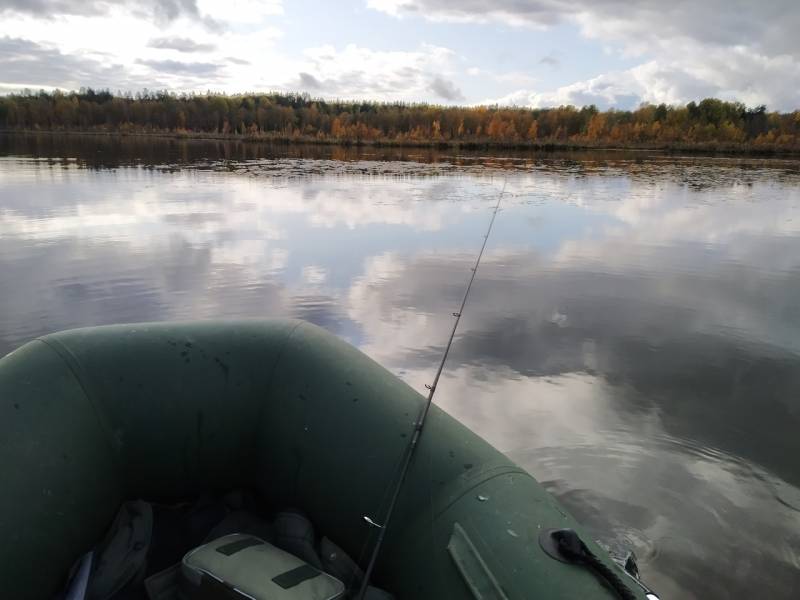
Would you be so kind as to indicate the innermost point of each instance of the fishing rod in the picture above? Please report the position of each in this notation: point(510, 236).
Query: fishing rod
point(420, 422)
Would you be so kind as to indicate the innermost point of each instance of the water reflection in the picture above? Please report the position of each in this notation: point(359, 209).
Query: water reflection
point(632, 338)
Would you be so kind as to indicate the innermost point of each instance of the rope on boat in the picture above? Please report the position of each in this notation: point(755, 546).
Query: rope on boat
point(420, 423)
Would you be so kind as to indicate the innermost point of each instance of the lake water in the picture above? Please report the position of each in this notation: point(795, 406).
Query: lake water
point(632, 337)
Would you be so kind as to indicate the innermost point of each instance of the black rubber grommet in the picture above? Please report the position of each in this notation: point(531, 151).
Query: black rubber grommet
point(549, 544)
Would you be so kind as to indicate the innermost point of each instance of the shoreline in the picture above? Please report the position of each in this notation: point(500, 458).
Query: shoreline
point(479, 145)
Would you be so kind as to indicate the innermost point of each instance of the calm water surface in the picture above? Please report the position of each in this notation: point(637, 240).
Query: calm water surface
point(633, 336)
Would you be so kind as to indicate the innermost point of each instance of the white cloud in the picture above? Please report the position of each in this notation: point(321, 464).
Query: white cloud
point(108, 50)
point(118, 50)
point(537, 13)
point(730, 74)
point(160, 9)
point(445, 89)
point(99, 43)
point(358, 72)
point(625, 89)
point(724, 23)
point(180, 44)
point(111, 48)
point(240, 11)
point(733, 50)
point(29, 64)
point(685, 50)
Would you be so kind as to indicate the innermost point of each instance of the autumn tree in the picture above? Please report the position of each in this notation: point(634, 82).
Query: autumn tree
point(299, 117)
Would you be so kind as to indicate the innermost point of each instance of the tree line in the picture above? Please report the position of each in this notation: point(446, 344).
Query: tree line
point(708, 123)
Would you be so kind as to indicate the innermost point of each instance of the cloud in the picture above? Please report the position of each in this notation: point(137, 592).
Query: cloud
point(550, 60)
point(513, 12)
point(733, 50)
point(176, 67)
point(28, 64)
point(166, 10)
point(445, 89)
point(617, 90)
point(240, 12)
point(309, 82)
point(181, 44)
point(719, 22)
point(362, 73)
point(121, 36)
point(730, 75)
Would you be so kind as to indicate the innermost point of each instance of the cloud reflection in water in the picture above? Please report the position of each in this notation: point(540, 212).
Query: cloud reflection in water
point(632, 338)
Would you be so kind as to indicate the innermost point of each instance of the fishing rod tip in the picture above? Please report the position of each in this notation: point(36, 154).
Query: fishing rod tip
point(371, 523)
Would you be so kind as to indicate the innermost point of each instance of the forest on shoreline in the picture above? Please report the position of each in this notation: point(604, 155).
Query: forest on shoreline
point(710, 124)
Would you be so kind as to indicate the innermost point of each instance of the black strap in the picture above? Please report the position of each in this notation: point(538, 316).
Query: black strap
point(572, 547)
point(239, 545)
point(289, 579)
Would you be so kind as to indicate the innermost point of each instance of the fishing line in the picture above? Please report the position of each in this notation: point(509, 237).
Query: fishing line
point(420, 422)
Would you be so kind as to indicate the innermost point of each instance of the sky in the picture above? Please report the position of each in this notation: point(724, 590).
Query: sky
point(611, 53)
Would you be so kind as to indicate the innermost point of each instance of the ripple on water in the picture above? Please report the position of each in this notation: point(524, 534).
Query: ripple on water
point(675, 501)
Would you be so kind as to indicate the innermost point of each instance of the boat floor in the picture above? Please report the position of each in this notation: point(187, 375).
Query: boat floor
point(179, 527)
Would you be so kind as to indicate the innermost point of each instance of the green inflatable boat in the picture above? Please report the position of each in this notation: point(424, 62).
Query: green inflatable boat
point(92, 418)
